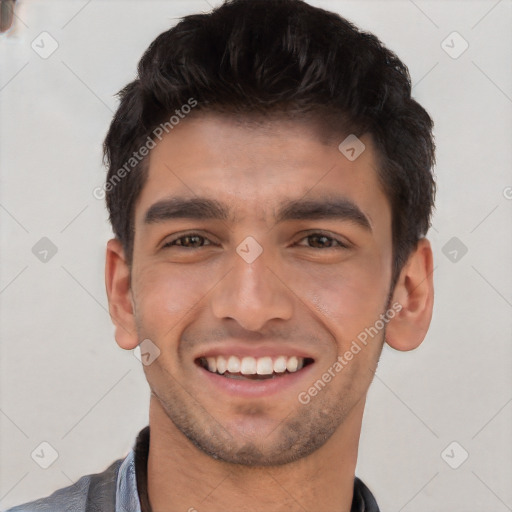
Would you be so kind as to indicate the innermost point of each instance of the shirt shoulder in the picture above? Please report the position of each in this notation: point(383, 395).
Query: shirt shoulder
point(91, 493)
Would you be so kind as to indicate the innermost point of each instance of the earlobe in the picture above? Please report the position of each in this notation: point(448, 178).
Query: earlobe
point(414, 291)
point(120, 301)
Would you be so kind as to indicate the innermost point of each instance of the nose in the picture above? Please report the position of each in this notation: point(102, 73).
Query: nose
point(253, 294)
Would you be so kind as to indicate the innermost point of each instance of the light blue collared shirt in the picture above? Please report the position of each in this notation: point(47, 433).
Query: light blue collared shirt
point(127, 497)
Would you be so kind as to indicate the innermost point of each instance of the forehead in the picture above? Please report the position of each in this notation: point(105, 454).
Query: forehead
point(253, 167)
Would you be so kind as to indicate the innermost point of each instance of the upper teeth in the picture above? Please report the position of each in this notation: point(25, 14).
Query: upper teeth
point(251, 366)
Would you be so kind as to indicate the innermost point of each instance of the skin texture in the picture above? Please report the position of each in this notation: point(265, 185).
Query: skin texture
point(215, 451)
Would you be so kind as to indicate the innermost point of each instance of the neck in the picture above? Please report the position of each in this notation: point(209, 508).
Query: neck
point(183, 478)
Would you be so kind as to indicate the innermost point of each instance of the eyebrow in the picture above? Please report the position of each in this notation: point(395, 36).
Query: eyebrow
point(202, 208)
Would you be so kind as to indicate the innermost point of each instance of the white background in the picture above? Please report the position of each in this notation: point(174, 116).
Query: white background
point(63, 378)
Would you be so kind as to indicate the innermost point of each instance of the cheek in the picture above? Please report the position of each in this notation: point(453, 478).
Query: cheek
point(166, 294)
point(346, 299)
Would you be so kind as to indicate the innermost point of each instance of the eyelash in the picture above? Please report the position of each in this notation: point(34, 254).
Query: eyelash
point(341, 245)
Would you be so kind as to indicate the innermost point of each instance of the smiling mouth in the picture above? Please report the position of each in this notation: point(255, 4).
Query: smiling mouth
point(250, 368)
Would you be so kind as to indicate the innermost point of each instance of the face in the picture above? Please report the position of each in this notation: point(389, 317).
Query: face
point(275, 259)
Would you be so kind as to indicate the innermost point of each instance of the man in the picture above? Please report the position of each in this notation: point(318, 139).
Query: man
point(269, 188)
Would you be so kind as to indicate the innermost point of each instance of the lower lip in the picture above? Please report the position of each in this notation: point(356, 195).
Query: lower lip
point(257, 388)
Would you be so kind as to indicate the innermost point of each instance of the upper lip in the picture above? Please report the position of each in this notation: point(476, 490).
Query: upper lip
point(256, 351)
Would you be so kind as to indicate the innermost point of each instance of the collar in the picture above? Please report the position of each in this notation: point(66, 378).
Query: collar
point(131, 486)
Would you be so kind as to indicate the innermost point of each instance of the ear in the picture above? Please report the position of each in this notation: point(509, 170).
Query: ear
point(120, 301)
point(414, 291)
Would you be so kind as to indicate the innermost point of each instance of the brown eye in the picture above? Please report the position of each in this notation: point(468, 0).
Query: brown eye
point(188, 241)
point(323, 241)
